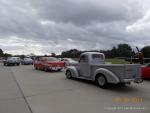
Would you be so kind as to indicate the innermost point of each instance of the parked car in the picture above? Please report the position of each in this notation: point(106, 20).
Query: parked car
point(69, 61)
point(12, 61)
point(146, 71)
point(2, 59)
point(48, 63)
point(27, 61)
point(92, 67)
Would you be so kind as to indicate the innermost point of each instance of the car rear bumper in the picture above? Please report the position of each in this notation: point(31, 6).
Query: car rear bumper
point(55, 68)
point(27, 63)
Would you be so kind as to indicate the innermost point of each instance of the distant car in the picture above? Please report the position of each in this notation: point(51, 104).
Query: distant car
point(12, 61)
point(48, 63)
point(69, 61)
point(60, 59)
point(146, 71)
point(2, 59)
point(27, 61)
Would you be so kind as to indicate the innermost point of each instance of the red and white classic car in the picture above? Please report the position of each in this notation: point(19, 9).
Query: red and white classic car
point(48, 63)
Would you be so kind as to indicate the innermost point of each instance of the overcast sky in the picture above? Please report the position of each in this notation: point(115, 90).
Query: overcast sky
point(45, 26)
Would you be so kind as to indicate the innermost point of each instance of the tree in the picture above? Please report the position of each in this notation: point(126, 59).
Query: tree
point(146, 51)
point(73, 53)
point(53, 54)
point(7, 55)
point(1, 53)
point(22, 56)
point(124, 50)
point(114, 52)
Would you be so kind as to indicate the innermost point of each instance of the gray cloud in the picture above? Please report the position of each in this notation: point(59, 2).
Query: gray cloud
point(45, 26)
point(85, 12)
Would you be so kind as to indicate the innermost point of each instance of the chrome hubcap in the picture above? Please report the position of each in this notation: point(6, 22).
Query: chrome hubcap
point(68, 74)
point(101, 80)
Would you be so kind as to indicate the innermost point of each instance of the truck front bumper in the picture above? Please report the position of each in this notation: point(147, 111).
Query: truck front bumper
point(136, 80)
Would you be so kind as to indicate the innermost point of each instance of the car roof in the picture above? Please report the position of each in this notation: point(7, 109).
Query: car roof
point(90, 53)
point(13, 57)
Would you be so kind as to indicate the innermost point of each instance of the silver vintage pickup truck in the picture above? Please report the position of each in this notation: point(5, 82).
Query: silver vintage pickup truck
point(92, 67)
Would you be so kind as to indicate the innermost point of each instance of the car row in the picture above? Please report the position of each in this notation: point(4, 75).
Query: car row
point(17, 61)
point(29, 61)
point(86, 67)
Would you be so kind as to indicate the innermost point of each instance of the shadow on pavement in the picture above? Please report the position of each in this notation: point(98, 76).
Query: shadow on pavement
point(112, 87)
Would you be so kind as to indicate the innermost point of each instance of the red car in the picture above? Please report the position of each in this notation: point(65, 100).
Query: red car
point(48, 63)
point(146, 71)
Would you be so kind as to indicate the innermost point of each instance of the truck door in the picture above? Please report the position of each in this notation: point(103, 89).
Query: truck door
point(84, 68)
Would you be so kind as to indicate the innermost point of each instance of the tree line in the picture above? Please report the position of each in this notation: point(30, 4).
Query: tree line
point(120, 51)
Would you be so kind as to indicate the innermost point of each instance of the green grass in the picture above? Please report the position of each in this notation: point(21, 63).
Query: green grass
point(117, 61)
point(112, 61)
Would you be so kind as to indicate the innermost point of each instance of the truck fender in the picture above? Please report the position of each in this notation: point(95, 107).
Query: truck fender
point(73, 70)
point(110, 76)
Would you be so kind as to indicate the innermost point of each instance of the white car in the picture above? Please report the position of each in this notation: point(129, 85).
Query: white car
point(12, 61)
point(69, 62)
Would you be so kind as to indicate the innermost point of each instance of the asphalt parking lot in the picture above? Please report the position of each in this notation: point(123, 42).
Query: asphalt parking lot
point(25, 90)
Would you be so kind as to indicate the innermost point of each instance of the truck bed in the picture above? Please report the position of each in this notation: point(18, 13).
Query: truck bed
point(123, 71)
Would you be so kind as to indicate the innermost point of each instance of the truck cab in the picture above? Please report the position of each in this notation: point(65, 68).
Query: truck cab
point(87, 60)
point(92, 67)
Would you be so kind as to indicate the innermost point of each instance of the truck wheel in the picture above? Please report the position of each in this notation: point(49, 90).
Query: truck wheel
point(101, 81)
point(68, 75)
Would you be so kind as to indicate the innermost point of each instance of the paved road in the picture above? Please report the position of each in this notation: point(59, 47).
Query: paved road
point(11, 96)
point(25, 90)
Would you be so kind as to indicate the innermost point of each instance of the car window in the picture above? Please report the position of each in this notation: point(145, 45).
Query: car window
point(64, 60)
point(68, 59)
point(36, 58)
point(97, 57)
point(71, 60)
point(49, 58)
point(42, 59)
point(27, 59)
point(84, 58)
point(52, 59)
point(13, 58)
